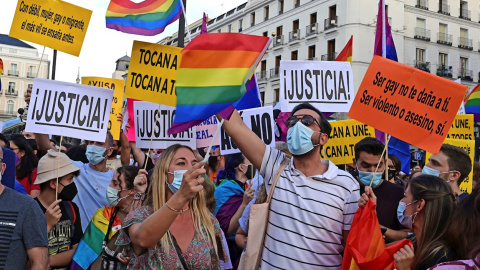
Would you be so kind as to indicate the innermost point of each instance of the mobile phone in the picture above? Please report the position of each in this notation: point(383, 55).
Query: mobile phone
point(250, 172)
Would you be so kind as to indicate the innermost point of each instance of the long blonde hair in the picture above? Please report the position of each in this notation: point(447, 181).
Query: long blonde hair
point(156, 198)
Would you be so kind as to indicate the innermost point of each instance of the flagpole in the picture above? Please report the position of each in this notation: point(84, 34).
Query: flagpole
point(181, 26)
point(207, 155)
point(386, 157)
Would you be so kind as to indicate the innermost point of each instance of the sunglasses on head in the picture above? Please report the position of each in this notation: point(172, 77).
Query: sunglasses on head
point(306, 119)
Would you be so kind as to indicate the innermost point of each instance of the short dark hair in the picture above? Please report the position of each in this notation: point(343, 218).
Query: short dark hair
point(458, 160)
point(324, 124)
point(369, 145)
point(110, 139)
point(5, 140)
point(129, 173)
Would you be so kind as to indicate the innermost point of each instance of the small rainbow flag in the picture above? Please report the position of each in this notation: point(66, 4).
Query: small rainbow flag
point(212, 75)
point(472, 103)
point(346, 54)
point(365, 248)
point(90, 247)
point(147, 18)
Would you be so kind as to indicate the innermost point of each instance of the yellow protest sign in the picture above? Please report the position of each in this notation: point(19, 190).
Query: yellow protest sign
point(52, 23)
point(153, 72)
point(117, 86)
point(462, 128)
point(469, 147)
point(345, 134)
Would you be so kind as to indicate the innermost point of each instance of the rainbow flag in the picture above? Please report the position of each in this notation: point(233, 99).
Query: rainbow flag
point(90, 247)
point(147, 18)
point(213, 75)
point(472, 103)
point(384, 45)
point(1, 71)
point(346, 54)
point(365, 248)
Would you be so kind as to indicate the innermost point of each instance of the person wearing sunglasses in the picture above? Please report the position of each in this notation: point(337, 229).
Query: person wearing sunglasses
point(314, 201)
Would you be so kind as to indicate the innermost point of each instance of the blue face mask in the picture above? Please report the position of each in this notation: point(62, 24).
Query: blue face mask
point(177, 180)
point(366, 178)
point(95, 154)
point(430, 171)
point(406, 221)
point(299, 139)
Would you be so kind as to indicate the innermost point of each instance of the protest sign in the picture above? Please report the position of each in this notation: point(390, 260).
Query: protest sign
point(469, 147)
point(462, 128)
point(407, 103)
point(117, 102)
point(326, 85)
point(259, 120)
point(345, 134)
point(153, 72)
point(53, 23)
point(205, 132)
point(145, 114)
point(69, 109)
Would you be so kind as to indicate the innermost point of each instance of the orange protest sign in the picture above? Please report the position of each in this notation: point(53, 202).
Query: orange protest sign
point(407, 103)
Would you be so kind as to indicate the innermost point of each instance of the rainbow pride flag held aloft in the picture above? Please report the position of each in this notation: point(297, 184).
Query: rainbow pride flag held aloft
point(346, 54)
point(90, 247)
point(365, 248)
point(472, 103)
point(147, 18)
point(213, 74)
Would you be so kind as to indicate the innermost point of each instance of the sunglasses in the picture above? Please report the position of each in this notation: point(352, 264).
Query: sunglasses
point(306, 119)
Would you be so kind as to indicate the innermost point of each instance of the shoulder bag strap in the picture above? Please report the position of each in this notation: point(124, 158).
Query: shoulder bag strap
point(284, 164)
point(110, 224)
point(179, 253)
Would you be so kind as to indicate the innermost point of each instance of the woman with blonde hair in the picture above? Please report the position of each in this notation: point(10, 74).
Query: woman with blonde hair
point(174, 229)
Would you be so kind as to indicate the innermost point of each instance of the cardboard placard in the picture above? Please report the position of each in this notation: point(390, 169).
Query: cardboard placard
point(341, 143)
point(326, 85)
point(69, 109)
point(53, 23)
point(145, 114)
point(407, 103)
point(469, 147)
point(152, 73)
point(259, 120)
point(205, 132)
point(117, 102)
point(462, 128)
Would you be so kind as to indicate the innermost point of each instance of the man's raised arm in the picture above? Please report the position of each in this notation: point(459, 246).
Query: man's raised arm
point(247, 141)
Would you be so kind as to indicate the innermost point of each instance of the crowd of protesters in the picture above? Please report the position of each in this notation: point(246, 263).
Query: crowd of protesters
point(111, 205)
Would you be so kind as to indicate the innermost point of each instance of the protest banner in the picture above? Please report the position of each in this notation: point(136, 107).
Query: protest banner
point(469, 147)
point(145, 114)
point(462, 128)
point(153, 72)
point(53, 23)
point(69, 109)
point(412, 105)
point(326, 85)
point(341, 143)
point(259, 120)
point(205, 132)
point(117, 102)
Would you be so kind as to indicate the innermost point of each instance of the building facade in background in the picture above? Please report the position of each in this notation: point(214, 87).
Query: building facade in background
point(20, 64)
point(441, 37)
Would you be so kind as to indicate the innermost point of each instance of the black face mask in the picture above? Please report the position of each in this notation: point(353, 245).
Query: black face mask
point(212, 161)
point(68, 192)
point(250, 172)
point(391, 174)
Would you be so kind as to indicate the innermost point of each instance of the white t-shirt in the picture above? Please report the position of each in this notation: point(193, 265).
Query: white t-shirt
point(307, 215)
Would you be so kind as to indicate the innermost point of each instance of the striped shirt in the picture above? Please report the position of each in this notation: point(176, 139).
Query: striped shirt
point(307, 215)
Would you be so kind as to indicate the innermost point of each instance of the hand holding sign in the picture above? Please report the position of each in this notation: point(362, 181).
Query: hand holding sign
point(409, 104)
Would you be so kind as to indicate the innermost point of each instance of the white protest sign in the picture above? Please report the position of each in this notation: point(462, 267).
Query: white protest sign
point(259, 120)
point(69, 109)
point(205, 132)
point(145, 125)
point(326, 85)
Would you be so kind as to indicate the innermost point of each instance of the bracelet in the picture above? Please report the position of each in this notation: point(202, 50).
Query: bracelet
point(181, 211)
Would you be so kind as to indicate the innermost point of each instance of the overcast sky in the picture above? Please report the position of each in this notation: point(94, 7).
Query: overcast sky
point(102, 46)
